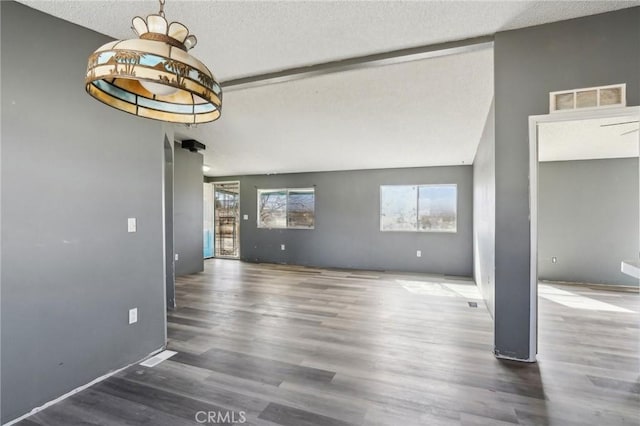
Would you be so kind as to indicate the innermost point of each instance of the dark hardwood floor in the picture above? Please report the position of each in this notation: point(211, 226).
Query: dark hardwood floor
point(294, 346)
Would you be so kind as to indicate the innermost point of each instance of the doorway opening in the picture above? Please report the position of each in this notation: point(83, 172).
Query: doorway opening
point(226, 219)
point(585, 219)
point(170, 273)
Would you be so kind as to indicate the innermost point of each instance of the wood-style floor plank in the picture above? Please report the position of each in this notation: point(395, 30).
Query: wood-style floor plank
point(289, 416)
point(298, 346)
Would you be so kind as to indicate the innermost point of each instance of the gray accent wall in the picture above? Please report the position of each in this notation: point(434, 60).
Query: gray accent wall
point(530, 63)
point(588, 219)
point(484, 212)
point(73, 171)
point(347, 228)
point(187, 211)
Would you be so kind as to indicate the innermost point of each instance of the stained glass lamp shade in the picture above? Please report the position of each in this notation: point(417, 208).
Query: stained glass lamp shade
point(154, 76)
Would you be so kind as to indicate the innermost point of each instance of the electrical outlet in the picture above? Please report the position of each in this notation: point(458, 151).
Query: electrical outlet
point(281, 246)
point(554, 259)
point(245, 217)
point(418, 253)
point(131, 224)
point(176, 256)
point(133, 316)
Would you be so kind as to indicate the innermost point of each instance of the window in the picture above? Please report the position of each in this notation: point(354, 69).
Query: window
point(418, 208)
point(272, 208)
point(286, 208)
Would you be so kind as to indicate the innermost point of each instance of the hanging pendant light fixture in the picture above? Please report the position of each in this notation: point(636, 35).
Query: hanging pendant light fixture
point(154, 76)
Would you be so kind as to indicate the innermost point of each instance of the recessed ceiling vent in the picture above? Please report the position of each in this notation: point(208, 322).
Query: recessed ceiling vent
point(588, 98)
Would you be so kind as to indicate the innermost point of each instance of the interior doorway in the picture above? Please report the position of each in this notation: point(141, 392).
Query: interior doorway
point(226, 218)
point(170, 275)
point(585, 210)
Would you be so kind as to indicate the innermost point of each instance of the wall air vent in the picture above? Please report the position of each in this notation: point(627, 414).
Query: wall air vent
point(588, 98)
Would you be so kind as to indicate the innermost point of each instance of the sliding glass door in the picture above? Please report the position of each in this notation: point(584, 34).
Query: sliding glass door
point(226, 219)
point(208, 226)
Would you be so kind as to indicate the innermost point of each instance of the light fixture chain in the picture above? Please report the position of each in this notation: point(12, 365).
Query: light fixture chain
point(161, 13)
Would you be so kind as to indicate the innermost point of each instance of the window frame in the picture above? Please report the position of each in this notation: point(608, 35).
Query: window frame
point(417, 207)
point(259, 192)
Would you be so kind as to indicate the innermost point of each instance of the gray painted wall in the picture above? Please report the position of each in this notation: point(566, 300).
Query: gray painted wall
point(187, 211)
point(484, 212)
point(530, 63)
point(347, 230)
point(73, 171)
point(588, 219)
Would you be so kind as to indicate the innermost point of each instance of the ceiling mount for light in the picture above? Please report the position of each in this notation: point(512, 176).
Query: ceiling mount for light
point(154, 76)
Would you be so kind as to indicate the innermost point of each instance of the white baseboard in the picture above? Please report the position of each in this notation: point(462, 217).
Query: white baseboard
point(508, 358)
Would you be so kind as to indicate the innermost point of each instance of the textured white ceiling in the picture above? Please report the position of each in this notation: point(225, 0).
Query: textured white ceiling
point(588, 140)
point(422, 113)
point(240, 38)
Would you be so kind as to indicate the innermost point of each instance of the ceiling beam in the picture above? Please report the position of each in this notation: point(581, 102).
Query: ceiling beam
point(361, 62)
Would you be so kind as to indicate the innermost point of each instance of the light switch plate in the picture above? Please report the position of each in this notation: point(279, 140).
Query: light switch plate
point(176, 256)
point(245, 217)
point(281, 246)
point(133, 316)
point(131, 224)
point(418, 253)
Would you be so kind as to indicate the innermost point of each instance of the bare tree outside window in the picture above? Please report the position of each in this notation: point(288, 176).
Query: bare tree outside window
point(286, 208)
point(272, 208)
point(300, 209)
